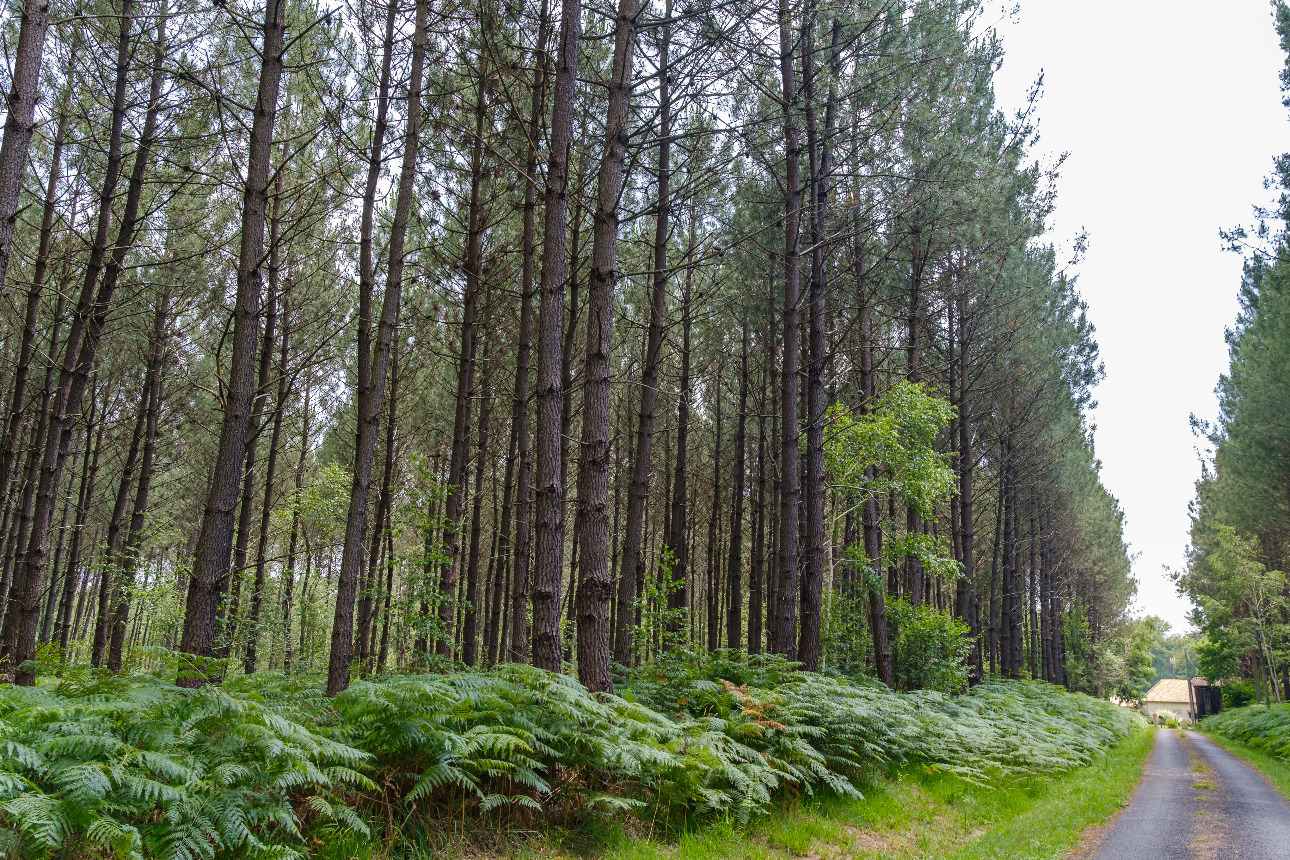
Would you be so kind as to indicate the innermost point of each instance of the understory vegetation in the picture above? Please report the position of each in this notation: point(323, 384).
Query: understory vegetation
point(1258, 734)
point(1266, 729)
point(267, 765)
point(923, 814)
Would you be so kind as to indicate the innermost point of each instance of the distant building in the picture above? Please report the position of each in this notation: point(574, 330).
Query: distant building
point(1208, 697)
point(1169, 698)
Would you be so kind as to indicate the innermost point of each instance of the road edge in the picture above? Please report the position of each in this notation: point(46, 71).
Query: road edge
point(1091, 839)
point(1275, 770)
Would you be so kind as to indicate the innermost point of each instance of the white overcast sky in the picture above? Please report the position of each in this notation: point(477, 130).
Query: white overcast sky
point(1171, 113)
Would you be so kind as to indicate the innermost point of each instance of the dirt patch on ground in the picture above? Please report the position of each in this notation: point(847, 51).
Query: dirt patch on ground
point(1090, 842)
point(1211, 838)
point(880, 843)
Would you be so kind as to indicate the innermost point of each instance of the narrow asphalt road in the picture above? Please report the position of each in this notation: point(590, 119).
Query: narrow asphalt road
point(1199, 802)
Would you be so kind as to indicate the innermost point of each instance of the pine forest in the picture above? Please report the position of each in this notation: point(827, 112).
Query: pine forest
point(429, 400)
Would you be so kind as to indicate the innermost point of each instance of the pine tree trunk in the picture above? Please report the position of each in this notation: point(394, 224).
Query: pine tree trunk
point(595, 585)
point(678, 590)
point(734, 573)
point(21, 514)
point(756, 573)
point(215, 541)
point(250, 655)
point(713, 592)
point(109, 577)
point(633, 555)
point(372, 395)
point(64, 628)
point(289, 570)
point(821, 168)
point(470, 631)
point(519, 644)
point(1032, 651)
point(246, 508)
point(129, 556)
point(51, 595)
point(783, 627)
point(455, 506)
point(549, 561)
point(869, 513)
point(20, 124)
point(369, 602)
point(79, 350)
point(519, 636)
point(8, 214)
point(966, 605)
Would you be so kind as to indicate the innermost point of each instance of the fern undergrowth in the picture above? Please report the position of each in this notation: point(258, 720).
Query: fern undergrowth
point(1266, 729)
point(134, 766)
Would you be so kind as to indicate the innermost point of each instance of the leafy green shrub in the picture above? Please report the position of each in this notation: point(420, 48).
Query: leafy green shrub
point(930, 648)
point(1238, 694)
point(1265, 729)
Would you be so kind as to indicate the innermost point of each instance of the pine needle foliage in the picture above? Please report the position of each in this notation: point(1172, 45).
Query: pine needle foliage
point(140, 768)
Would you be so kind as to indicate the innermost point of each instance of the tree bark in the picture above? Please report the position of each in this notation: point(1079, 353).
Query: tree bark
point(51, 596)
point(470, 629)
point(734, 580)
point(595, 584)
point(966, 604)
point(8, 214)
point(109, 576)
point(678, 590)
point(64, 626)
point(869, 513)
point(784, 625)
point(251, 654)
point(20, 124)
point(459, 460)
point(386, 489)
point(371, 396)
point(23, 608)
point(549, 562)
point(519, 644)
point(756, 568)
point(821, 168)
point(134, 537)
point(713, 589)
point(246, 508)
point(215, 541)
point(289, 571)
point(633, 564)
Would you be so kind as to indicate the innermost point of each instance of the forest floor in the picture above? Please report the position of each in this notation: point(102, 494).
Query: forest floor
point(917, 814)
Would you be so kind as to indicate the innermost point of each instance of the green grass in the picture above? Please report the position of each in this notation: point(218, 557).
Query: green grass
point(1276, 769)
point(918, 814)
point(1258, 734)
point(485, 763)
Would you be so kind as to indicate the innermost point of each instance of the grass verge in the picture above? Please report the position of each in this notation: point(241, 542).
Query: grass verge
point(1276, 769)
point(920, 813)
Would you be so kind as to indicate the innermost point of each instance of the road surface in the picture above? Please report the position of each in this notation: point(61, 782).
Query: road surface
point(1199, 802)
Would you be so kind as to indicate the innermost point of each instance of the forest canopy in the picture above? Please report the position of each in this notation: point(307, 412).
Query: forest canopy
point(413, 335)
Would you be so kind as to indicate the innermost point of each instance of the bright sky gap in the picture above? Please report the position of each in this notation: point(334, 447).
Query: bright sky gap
point(1171, 116)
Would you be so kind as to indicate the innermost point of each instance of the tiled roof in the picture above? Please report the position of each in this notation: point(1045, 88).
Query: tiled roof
point(1168, 690)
